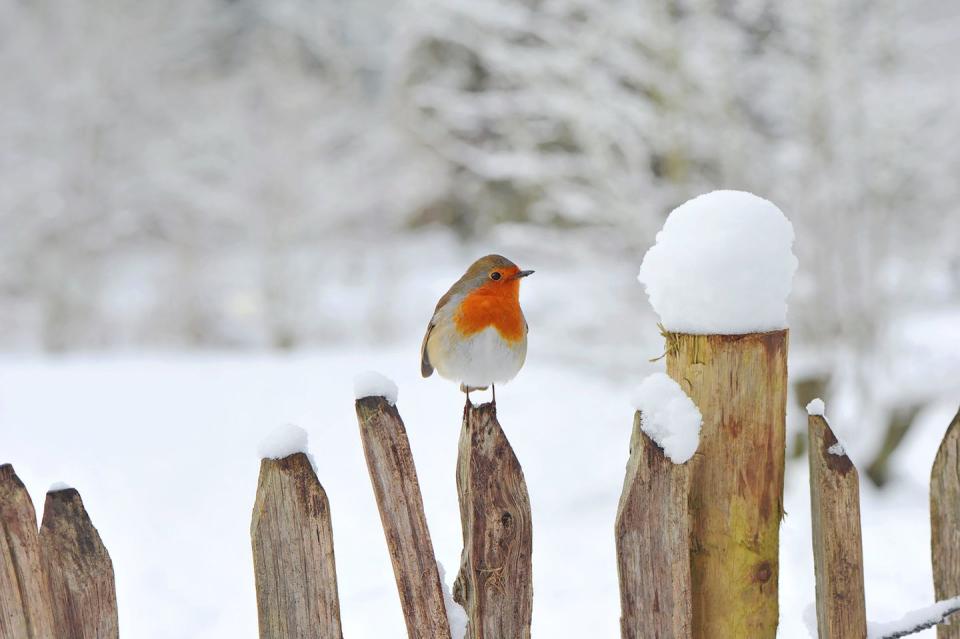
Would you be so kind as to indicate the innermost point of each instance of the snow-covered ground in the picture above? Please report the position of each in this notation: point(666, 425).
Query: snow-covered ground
point(163, 449)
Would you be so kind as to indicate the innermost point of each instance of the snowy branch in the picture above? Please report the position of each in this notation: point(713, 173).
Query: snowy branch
point(914, 621)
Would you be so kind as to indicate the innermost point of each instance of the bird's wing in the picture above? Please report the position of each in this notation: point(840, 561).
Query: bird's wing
point(426, 368)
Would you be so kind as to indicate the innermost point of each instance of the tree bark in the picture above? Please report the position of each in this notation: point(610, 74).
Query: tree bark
point(495, 584)
point(653, 544)
point(293, 557)
point(945, 523)
point(24, 597)
point(78, 570)
point(397, 491)
point(739, 383)
point(837, 546)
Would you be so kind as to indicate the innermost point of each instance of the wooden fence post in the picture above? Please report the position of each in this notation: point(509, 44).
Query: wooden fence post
point(837, 547)
point(653, 543)
point(739, 383)
point(395, 485)
point(293, 558)
point(77, 569)
point(24, 597)
point(495, 584)
point(945, 522)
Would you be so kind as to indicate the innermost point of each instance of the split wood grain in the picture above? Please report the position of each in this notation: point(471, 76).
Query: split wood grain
point(945, 523)
point(495, 584)
point(78, 570)
point(837, 545)
point(739, 383)
point(397, 491)
point(24, 598)
point(293, 556)
point(653, 543)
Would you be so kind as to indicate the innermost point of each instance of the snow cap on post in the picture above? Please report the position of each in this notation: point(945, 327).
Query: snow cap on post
point(284, 441)
point(668, 416)
point(816, 407)
point(374, 384)
point(722, 264)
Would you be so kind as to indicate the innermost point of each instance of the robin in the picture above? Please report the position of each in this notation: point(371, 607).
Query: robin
point(478, 335)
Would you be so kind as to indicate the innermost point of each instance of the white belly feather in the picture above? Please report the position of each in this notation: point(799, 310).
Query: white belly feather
point(482, 359)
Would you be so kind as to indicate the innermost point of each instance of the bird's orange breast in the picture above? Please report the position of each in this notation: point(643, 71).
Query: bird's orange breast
point(497, 306)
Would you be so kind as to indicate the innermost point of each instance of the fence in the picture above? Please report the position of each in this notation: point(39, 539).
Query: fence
point(697, 543)
point(55, 582)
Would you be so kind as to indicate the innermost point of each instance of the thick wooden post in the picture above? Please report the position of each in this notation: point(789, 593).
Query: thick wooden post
point(945, 523)
point(24, 598)
point(293, 558)
point(495, 584)
point(397, 490)
point(77, 569)
point(837, 547)
point(739, 383)
point(653, 544)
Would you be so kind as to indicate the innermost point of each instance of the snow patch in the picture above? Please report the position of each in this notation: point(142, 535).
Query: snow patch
point(373, 384)
point(668, 416)
point(722, 264)
point(284, 441)
point(914, 621)
point(456, 615)
point(837, 449)
point(57, 486)
point(816, 407)
point(810, 620)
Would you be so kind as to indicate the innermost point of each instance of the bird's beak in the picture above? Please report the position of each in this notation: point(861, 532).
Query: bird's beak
point(522, 274)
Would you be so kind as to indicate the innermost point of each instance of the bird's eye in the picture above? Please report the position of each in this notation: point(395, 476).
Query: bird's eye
point(495, 276)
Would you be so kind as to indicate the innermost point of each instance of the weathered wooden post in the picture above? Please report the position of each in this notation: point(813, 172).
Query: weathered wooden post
point(495, 583)
point(653, 543)
point(77, 569)
point(739, 382)
point(718, 277)
point(293, 556)
point(945, 522)
point(24, 598)
point(837, 546)
point(395, 485)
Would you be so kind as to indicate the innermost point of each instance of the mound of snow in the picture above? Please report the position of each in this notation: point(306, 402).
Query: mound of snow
point(284, 441)
point(58, 486)
point(668, 416)
point(722, 264)
point(816, 407)
point(373, 384)
point(456, 615)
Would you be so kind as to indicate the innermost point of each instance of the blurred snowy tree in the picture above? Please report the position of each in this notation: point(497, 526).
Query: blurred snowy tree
point(558, 112)
point(217, 173)
point(173, 170)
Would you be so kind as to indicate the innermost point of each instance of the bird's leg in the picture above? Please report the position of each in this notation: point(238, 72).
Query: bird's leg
point(493, 387)
point(467, 391)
